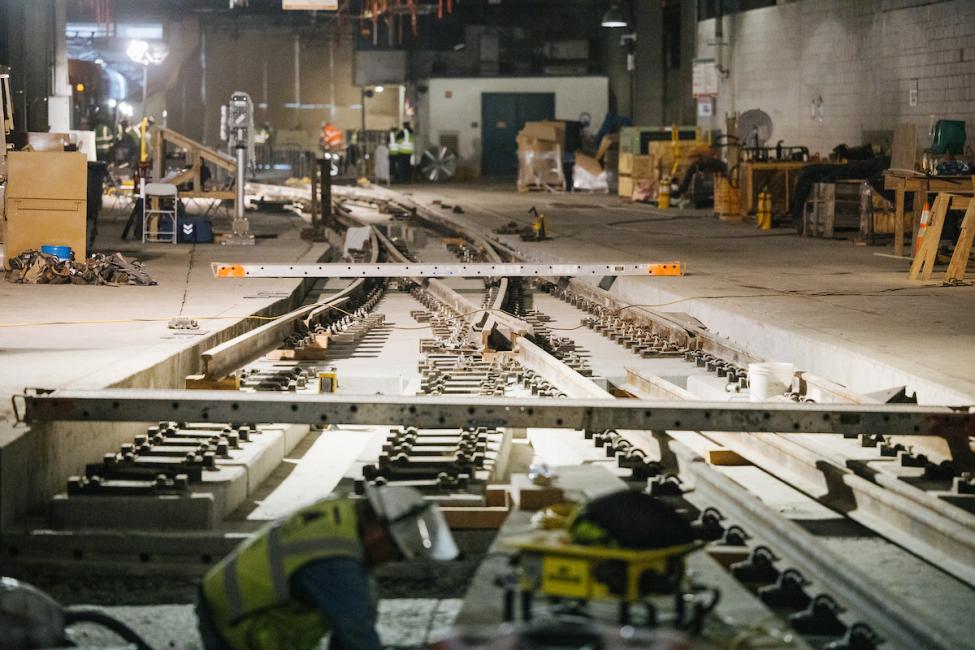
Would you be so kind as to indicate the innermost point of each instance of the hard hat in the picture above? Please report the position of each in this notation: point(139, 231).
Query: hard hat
point(629, 519)
point(415, 524)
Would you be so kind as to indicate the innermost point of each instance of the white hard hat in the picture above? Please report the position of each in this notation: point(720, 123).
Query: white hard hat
point(415, 524)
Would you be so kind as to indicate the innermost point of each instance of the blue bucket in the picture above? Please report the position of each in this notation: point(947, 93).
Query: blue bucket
point(60, 252)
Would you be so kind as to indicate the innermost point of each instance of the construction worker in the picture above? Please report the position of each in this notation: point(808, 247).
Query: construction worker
point(629, 519)
point(305, 575)
point(404, 155)
point(263, 143)
point(393, 153)
point(332, 138)
point(104, 139)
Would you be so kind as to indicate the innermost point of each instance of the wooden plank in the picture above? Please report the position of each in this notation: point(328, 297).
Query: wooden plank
point(923, 265)
point(903, 151)
point(725, 457)
point(898, 215)
point(959, 259)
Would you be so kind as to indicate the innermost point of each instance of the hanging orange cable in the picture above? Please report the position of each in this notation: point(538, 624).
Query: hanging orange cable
point(412, 6)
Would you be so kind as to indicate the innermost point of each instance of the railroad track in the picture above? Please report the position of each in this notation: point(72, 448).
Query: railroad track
point(905, 492)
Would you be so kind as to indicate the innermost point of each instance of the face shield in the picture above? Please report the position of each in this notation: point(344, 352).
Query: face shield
point(417, 526)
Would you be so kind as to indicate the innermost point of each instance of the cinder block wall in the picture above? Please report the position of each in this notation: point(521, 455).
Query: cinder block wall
point(861, 56)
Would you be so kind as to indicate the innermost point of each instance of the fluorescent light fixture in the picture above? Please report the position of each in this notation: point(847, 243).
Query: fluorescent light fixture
point(137, 50)
point(147, 53)
point(613, 18)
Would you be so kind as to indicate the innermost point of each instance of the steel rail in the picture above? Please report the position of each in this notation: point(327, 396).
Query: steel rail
point(139, 405)
point(886, 612)
point(895, 510)
point(227, 357)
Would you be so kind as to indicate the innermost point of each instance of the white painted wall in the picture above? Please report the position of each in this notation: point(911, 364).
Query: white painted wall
point(461, 112)
point(860, 56)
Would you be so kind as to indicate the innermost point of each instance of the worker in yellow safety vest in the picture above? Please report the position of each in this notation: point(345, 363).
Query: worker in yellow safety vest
point(305, 575)
point(404, 154)
point(104, 138)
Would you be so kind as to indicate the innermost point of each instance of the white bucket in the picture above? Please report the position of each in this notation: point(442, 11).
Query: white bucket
point(766, 380)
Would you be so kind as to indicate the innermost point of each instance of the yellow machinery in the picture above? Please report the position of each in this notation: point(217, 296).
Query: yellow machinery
point(538, 226)
point(328, 380)
point(763, 217)
point(551, 565)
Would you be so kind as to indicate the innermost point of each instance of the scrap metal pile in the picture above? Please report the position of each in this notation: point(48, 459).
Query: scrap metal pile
point(35, 267)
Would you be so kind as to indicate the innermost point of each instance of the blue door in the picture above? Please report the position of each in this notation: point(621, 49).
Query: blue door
point(502, 116)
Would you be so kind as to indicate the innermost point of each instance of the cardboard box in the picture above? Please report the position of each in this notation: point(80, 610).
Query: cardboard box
point(610, 142)
point(588, 163)
point(549, 131)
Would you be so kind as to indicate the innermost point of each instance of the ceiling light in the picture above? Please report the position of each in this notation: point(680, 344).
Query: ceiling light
point(613, 18)
point(379, 89)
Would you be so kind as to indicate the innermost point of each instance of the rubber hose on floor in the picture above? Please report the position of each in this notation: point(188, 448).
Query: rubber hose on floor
point(72, 617)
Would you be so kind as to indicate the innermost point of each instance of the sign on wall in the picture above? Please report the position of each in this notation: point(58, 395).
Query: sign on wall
point(311, 5)
point(705, 78)
point(705, 106)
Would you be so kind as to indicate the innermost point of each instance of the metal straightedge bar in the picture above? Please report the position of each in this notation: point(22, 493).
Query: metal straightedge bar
point(130, 405)
point(450, 270)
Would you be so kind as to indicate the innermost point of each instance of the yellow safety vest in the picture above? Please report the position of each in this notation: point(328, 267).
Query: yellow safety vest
point(406, 144)
point(393, 145)
point(248, 593)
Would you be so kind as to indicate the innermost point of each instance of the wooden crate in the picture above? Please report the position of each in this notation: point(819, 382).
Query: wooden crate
point(626, 164)
point(626, 187)
point(644, 167)
point(833, 210)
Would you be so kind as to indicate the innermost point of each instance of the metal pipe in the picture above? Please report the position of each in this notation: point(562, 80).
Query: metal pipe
point(241, 151)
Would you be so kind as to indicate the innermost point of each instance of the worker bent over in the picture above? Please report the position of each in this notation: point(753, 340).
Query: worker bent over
point(305, 575)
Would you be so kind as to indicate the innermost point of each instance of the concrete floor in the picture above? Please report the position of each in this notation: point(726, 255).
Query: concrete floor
point(834, 309)
point(99, 336)
point(76, 336)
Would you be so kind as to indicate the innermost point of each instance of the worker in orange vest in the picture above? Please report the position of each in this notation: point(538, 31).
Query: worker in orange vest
point(332, 138)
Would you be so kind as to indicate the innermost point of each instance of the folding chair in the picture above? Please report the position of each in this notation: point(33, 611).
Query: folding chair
point(159, 201)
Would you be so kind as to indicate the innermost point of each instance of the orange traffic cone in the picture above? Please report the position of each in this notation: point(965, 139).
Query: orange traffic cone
point(925, 218)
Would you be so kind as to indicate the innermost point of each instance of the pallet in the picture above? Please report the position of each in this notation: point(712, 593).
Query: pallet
point(831, 210)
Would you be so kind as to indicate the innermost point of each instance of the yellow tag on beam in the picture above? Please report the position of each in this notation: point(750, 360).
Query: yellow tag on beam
point(228, 270)
point(666, 268)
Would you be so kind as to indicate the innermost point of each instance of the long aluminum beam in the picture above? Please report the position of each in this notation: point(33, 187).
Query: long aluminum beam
point(422, 270)
point(134, 405)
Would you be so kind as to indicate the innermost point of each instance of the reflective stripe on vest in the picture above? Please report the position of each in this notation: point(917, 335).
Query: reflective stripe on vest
point(393, 145)
point(406, 144)
point(249, 589)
